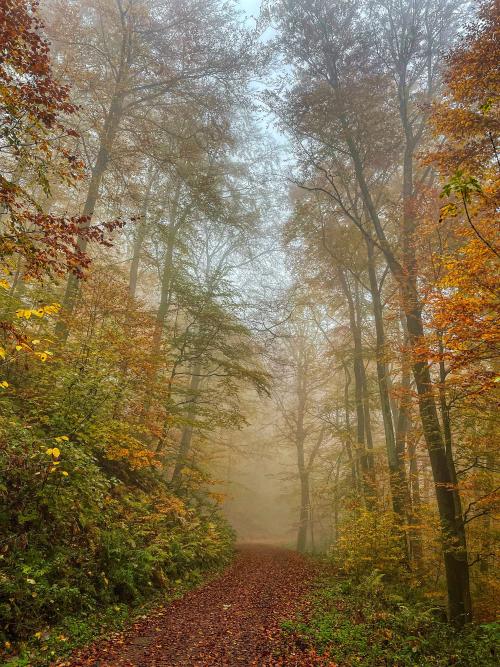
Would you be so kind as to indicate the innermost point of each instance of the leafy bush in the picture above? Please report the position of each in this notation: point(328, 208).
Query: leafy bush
point(87, 519)
point(74, 539)
point(367, 541)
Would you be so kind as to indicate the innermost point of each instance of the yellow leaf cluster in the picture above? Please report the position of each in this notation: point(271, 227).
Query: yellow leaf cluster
point(54, 451)
point(43, 356)
point(26, 313)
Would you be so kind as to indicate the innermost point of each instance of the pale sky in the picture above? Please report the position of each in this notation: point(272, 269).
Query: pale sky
point(250, 6)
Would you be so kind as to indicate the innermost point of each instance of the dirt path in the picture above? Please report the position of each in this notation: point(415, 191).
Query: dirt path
point(232, 620)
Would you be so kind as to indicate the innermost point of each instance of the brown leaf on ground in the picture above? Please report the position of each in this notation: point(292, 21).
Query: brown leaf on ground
point(234, 620)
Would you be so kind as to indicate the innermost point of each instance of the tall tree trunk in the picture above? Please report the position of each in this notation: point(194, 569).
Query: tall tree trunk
point(395, 452)
point(304, 514)
point(402, 441)
point(165, 293)
point(454, 540)
point(416, 544)
point(442, 464)
point(110, 129)
point(161, 314)
point(188, 428)
point(445, 419)
point(452, 526)
point(370, 461)
point(354, 464)
point(364, 443)
point(167, 276)
point(300, 437)
point(312, 518)
point(336, 502)
point(140, 235)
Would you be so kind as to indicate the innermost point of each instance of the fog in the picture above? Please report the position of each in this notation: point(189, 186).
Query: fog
point(248, 257)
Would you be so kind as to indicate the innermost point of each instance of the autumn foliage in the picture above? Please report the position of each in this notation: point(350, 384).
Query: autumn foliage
point(35, 113)
point(89, 427)
point(346, 312)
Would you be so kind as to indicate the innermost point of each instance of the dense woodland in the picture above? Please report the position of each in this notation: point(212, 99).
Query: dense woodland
point(212, 222)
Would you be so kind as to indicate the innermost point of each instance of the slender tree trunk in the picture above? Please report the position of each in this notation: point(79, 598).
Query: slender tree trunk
point(140, 235)
point(300, 437)
point(136, 257)
point(304, 514)
point(311, 518)
point(161, 315)
point(363, 427)
point(455, 549)
point(110, 129)
point(453, 529)
point(336, 503)
point(443, 467)
point(167, 276)
point(402, 441)
point(416, 544)
point(370, 461)
point(354, 464)
point(188, 428)
point(395, 452)
point(445, 419)
point(165, 293)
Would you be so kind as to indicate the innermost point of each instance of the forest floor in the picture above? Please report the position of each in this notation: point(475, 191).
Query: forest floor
point(235, 619)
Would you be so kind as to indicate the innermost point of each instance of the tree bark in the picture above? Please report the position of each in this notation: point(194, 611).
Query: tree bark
point(300, 437)
point(140, 235)
point(370, 461)
point(167, 275)
point(354, 464)
point(304, 514)
point(416, 545)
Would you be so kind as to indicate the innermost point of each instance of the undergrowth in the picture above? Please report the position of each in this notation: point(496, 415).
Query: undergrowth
point(78, 551)
point(58, 641)
point(374, 624)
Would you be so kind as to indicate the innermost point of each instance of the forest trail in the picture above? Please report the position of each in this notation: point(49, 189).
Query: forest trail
point(232, 620)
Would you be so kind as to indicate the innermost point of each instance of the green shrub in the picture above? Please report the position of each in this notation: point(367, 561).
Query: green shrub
point(77, 542)
point(367, 541)
point(370, 623)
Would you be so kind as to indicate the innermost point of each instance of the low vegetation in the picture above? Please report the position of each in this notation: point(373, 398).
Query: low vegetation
point(83, 543)
point(372, 622)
